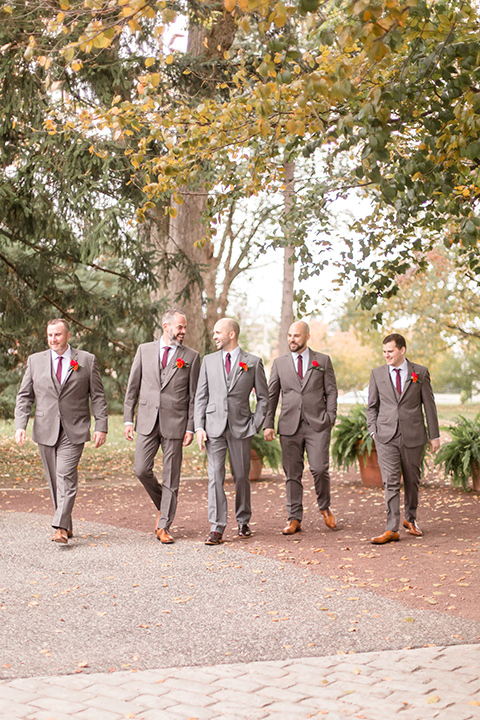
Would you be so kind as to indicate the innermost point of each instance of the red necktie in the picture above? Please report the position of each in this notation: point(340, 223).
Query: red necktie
point(398, 381)
point(228, 366)
point(166, 350)
point(59, 369)
point(300, 367)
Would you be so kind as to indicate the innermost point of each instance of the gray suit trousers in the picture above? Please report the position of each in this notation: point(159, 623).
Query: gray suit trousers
point(240, 455)
point(395, 460)
point(60, 462)
point(316, 444)
point(163, 495)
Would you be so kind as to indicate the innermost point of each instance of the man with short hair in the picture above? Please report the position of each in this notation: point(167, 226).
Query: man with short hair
point(63, 382)
point(163, 380)
point(305, 379)
point(224, 421)
point(399, 393)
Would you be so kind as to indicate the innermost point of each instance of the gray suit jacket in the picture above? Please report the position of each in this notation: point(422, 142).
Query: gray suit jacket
point(170, 399)
point(218, 401)
point(387, 411)
point(68, 404)
point(313, 398)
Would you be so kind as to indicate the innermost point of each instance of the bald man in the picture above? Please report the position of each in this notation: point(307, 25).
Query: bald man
point(224, 421)
point(306, 382)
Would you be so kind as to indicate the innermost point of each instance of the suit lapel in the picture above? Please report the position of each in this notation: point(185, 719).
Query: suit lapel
point(408, 381)
point(171, 368)
point(310, 369)
point(49, 371)
point(236, 370)
point(388, 380)
point(70, 369)
point(291, 369)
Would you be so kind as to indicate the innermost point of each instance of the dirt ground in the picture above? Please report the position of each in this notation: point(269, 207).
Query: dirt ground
point(437, 572)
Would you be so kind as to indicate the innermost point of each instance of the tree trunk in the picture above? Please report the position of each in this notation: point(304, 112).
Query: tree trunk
point(286, 318)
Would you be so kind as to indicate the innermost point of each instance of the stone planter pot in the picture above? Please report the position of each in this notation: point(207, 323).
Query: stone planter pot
point(476, 477)
point(370, 470)
point(255, 466)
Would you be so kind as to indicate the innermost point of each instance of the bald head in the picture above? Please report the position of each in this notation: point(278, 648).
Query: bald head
point(298, 336)
point(225, 334)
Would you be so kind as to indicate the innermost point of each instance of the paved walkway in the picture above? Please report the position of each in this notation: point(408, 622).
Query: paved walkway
point(115, 625)
point(410, 684)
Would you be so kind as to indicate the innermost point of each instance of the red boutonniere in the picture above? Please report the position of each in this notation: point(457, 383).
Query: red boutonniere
point(315, 365)
point(244, 366)
point(181, 363)
point(74, 364)
point(414, 377)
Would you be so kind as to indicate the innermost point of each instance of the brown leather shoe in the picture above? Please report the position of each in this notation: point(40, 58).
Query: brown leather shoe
point(215, 538)
point(69, 534)
point(164, 536)
point(388, 536)
point(329, 518)
point(60, 537)
point(412, 528)
point(292, 527)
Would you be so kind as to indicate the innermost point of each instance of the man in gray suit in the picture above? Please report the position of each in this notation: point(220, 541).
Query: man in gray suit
point(224, 421)
point(398, 394)
point(306, 381)
point(163, 380)
point(63, 382)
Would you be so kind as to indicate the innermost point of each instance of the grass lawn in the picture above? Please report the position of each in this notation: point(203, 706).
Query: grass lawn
point(113, 461)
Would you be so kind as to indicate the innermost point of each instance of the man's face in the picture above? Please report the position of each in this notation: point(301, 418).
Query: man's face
point(393, 355)
point(58, 337)
point(297, 337)
point(223, 335)
point(174, 332)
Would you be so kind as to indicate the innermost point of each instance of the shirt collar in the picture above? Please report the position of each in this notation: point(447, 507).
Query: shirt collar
point(67, 355)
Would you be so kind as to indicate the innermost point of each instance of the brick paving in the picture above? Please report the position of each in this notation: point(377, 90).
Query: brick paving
point(417, 684)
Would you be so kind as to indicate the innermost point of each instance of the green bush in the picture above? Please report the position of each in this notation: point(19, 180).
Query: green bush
point(463, 451)
point(351, 438)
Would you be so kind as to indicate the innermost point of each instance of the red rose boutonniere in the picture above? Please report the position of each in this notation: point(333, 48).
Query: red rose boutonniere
point(414, 378)
point(181, 363)
point(74, 364)
point(315, 365)
point(244, 366)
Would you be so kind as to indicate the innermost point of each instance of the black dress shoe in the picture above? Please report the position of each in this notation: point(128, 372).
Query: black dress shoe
point(244, 531)
point(215, 538)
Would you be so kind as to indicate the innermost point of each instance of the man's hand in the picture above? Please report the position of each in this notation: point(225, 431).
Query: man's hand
point(269, 434)
point(99, 438)
point(128, 431)
point(187, 439)
point(435, 445)
point(201, 439)
point(20, 437)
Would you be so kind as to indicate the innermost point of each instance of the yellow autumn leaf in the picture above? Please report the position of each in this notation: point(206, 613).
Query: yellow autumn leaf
point(433, 699)
point(229, 5)
point(149, 61)
point(169, 59)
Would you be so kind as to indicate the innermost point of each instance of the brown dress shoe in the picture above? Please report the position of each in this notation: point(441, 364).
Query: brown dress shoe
point(164, 536)
point(60, 537)
point(412, 528)
point(388, 536)
point(329, 518)
point(69, 534)
point(214, 538)
point(292, 527)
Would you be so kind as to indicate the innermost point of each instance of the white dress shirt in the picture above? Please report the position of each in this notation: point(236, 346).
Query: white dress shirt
point(305, 358)
point(233, 356)
point(403, 374)
point(67, 356)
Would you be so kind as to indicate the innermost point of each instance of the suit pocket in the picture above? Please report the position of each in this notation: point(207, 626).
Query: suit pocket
point(211, 408)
